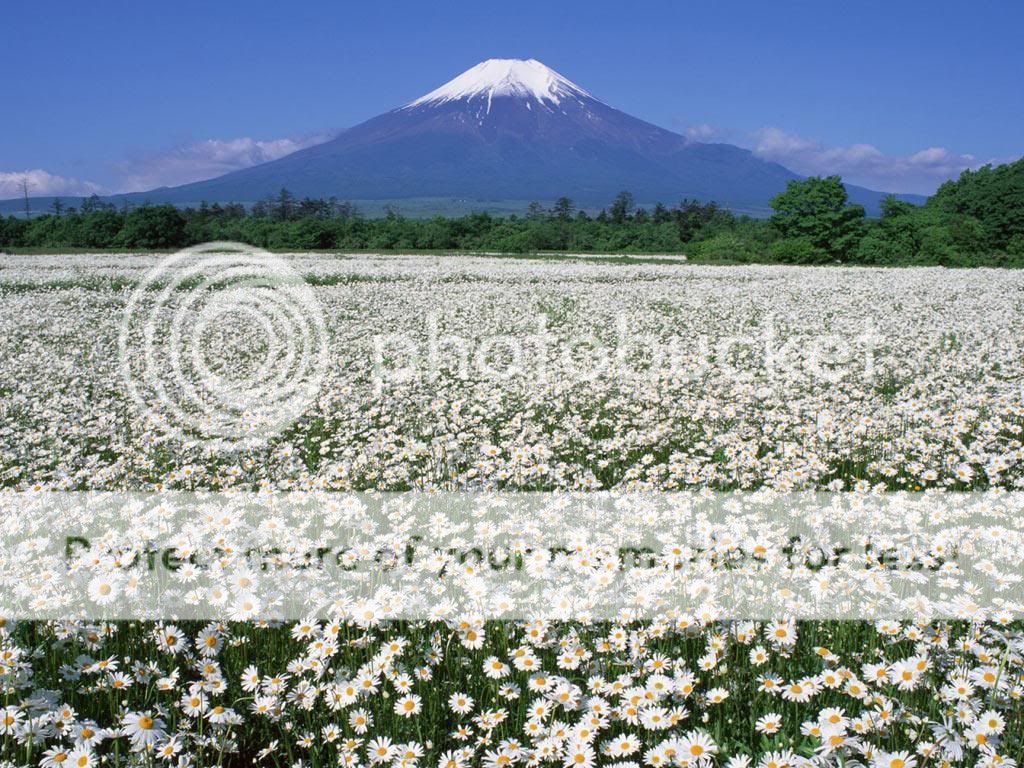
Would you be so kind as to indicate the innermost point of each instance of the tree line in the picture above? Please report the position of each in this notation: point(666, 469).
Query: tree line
point(976, 220)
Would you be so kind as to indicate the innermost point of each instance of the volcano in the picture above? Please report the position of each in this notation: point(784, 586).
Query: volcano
point(509, 130)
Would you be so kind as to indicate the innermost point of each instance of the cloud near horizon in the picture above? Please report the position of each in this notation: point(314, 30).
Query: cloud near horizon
point(179, 165)
point(205, 160)
point(44, 184)
point(703, 132)
point(864, 164)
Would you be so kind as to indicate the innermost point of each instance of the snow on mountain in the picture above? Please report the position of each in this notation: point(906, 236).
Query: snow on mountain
point(507, 130)
point(525, 78)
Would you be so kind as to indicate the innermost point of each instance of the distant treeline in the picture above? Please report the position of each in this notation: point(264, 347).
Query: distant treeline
point(977, 220)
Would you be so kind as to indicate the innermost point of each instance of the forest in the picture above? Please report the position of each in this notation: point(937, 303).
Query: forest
point(976, 220)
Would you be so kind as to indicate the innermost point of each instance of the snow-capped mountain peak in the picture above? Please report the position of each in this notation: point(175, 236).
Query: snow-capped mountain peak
point(524, 78)
point(508, 130)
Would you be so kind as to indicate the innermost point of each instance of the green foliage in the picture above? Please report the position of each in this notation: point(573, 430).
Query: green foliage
point(987, 206)
point(814, 214)
point(976, 220)
point(153, 226)
point(798, 250)
point(621, 207)
point(726, 247)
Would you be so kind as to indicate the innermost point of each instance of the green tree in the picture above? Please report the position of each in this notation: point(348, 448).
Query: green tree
point(991, 196)
point(563, 209)
point(154, 226)
point(93, 203)
point(621, 207)
point(815, 210)
point(99, 229)
point(285, 208)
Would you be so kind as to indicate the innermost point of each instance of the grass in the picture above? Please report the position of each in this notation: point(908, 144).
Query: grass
point(435, 648)
point(455, 669)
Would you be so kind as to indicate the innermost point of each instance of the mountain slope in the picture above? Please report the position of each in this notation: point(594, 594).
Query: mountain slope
point(508, 129)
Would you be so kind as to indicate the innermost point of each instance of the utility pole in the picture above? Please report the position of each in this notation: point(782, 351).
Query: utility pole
point(24, 190)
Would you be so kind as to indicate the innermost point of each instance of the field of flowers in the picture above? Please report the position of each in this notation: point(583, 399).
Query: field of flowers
point(480, 375)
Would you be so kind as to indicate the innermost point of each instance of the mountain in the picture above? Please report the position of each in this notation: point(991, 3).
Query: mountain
point(508, 129)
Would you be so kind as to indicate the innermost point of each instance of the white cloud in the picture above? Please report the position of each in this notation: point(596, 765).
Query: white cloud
point(702, 132)
point(43, 184)
point(205, 160)
point(864, 164)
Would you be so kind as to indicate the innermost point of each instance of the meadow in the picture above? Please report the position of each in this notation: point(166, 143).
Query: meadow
point(481, 375)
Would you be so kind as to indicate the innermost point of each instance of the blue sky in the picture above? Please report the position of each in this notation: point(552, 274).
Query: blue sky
point(893, 95)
